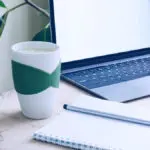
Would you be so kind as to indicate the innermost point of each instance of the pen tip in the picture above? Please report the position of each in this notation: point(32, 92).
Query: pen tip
point(65, 106)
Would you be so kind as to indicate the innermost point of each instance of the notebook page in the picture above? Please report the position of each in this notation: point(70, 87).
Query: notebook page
point(96, 131)
point(124, 109)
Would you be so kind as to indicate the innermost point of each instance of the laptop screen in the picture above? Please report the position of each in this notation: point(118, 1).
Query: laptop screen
point(89, 28)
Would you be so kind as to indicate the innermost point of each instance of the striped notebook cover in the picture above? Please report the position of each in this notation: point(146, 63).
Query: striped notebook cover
point(85, 132)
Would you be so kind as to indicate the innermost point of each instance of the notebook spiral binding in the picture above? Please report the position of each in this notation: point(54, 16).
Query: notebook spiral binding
point(66, 142)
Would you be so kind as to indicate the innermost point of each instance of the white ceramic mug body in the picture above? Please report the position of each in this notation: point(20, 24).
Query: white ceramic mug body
point(34, 75)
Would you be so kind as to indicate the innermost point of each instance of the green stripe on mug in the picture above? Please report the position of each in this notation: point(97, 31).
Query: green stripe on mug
point(29, 80)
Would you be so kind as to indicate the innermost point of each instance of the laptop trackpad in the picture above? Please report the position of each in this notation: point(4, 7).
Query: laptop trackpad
point(128, 90)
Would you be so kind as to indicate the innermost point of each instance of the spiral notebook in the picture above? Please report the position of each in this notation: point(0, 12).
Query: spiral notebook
point(85, 132)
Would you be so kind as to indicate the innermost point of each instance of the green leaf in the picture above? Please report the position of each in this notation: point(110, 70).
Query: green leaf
point(43, 35)
point(2, 4)
point(3, 22)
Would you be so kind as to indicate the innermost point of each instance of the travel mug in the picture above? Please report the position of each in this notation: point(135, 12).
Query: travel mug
point(36, 75)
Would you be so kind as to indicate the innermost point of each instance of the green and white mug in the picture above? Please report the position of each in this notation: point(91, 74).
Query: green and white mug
point(36, 75)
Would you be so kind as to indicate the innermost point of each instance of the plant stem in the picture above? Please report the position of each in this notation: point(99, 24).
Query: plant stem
point(37, 8)
point(32, 5)
point(16, 7)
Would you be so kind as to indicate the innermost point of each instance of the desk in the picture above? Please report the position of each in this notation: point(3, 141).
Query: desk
point(16, 130)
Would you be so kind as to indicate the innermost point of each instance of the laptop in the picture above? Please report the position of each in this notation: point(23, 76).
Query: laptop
point(104, 46)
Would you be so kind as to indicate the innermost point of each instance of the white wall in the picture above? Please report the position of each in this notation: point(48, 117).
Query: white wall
point(21, 25)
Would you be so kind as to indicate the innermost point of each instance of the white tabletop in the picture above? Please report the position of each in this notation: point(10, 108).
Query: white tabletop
point(16, 130)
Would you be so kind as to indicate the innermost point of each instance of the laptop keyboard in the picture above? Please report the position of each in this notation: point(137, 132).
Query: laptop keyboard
point(111, 73)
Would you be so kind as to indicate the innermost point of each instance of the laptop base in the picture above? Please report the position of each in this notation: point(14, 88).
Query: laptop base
point(123, 79)
point(125, 91)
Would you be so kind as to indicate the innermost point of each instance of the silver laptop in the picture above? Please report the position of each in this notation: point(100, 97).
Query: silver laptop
point(90, 28)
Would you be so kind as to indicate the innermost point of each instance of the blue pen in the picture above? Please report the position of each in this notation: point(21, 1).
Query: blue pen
point(106, 115)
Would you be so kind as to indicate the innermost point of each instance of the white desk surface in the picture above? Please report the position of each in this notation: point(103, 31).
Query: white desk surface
point(16, 130)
